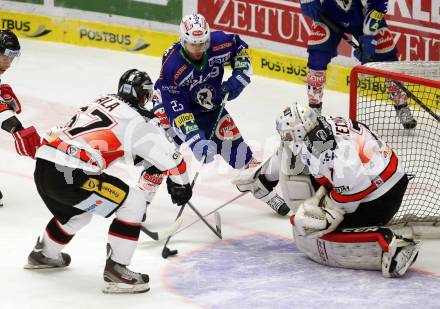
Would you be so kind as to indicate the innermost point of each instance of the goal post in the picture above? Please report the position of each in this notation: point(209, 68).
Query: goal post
point(419, 147)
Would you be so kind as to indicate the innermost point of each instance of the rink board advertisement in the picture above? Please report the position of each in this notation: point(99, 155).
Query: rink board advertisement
point(86, 33)
point(414, 23)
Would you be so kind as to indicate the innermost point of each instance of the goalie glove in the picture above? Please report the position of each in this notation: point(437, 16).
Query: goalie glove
point(316, 216)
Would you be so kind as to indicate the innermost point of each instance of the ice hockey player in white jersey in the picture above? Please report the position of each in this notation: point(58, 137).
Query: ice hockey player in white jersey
point(360, 185)
point(70, 176)
point(27, 139)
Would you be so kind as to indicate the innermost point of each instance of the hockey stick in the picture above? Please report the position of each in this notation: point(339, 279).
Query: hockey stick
point(356, 46)
point(218, 223)
point(166, 252)
point(161, 235)
point(217, 227)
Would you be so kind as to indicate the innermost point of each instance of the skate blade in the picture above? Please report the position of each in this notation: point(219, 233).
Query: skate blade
point(122, 288)
point(40, 266)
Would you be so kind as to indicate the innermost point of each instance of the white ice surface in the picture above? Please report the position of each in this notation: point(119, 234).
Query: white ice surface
point(52, 80)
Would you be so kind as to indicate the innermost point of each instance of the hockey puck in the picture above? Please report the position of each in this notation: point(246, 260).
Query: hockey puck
point(166, 252)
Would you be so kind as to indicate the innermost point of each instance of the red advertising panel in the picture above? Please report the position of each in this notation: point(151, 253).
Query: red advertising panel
point(415, 23)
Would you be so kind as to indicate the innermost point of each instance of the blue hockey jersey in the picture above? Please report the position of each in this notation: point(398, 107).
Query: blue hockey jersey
point(189, 89)
point(350, 14)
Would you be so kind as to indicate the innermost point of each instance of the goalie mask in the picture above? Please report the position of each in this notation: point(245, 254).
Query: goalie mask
point(135, 87)
point(195, 35)
point(294, 123)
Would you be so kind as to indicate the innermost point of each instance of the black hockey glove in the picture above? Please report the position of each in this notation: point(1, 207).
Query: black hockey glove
point(180, 194)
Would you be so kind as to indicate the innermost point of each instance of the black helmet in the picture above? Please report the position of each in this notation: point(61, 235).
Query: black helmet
point(9, 45)
point(134, 85)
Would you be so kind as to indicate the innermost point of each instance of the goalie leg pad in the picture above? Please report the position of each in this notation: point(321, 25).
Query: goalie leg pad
point(295, 189)
point(354, 248)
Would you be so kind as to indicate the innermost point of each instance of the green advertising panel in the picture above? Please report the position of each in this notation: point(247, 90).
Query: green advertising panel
point(171, 12)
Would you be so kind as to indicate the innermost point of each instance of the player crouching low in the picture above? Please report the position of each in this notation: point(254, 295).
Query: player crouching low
point(361, 186)
point(71, 178)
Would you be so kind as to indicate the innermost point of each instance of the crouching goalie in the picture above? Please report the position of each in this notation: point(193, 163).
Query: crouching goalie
point(360, 185)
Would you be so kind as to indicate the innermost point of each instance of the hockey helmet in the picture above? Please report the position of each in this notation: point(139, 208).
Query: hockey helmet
point(194, 30)
point(134, 85)
point(295, 122)
point(9, 45)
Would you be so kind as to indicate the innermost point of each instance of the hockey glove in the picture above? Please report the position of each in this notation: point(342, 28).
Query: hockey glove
point(368, 47)
point(311, 8)
point(8, 97)
point(180, 194)
point(201, 147)
point(27, 141)
point(235, 84)
point(316, 216)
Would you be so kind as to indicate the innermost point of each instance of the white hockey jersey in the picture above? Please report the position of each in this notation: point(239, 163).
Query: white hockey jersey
point(108, 129)
point(347, 157)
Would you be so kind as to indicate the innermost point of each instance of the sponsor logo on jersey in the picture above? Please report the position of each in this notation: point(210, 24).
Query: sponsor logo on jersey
point(179, 72)
point(224, 58)
point(105, 189)
point(183, 119)
point(342, 189)
point(221, 46)
point(320, 33)
point(227, 130)
point(215, 71)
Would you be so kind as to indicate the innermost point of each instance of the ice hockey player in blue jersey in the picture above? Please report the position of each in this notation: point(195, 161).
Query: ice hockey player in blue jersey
point(364, 19)
point(191, 89)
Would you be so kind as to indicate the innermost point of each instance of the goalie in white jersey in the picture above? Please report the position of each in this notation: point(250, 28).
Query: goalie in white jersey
point(361, 186)
point(71, 179)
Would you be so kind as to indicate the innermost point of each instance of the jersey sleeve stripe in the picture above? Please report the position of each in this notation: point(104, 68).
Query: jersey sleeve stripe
point(375, 183)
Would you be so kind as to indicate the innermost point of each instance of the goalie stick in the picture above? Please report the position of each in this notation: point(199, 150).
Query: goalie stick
point(356, 46)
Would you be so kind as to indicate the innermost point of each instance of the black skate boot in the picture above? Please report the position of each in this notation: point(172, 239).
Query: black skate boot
point(121, 280)
point(405, 116)
point(37, 260)
point(1, 197)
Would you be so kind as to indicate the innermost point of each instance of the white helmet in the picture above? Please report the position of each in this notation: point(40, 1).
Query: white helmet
point(195, 30)
point(295, 122)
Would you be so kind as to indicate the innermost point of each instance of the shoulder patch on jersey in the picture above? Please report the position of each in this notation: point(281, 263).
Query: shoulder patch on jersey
point(319, 33)
point(385, 41)
point(227, 130)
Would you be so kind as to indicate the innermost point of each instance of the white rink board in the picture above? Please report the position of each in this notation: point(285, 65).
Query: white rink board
point(256, 265)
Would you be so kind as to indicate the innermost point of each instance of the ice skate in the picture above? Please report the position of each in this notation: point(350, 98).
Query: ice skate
point(405, 116)
point(121, 280)
point(37, 260)
point(317, 108)
point(395, 265)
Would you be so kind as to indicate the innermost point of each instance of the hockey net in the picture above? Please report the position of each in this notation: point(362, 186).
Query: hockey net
point(418, 148)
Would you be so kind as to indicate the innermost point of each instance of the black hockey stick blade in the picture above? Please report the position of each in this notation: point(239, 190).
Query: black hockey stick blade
point(166, 252)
